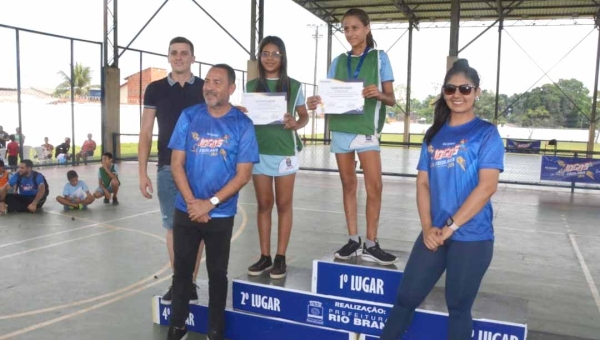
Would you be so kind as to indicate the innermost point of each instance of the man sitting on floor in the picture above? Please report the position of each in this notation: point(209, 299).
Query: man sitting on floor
point(29, 190)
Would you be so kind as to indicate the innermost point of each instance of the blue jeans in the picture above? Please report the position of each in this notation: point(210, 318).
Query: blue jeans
point(465, 264)
point(167, 192)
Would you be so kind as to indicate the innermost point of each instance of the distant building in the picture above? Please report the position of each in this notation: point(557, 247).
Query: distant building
point(95, 93)
point(130, 90)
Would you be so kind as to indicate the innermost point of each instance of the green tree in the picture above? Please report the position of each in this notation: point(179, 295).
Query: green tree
point(485, 107)
point(538, 117)
point(426, 107)
point(82, 77)
point(568, 106)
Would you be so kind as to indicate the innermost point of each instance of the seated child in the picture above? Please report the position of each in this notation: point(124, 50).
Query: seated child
point(76, 194)
point(3, 175)
point(108, 179)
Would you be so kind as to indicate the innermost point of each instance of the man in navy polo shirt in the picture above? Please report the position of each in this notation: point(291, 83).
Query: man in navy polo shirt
point(164, 100)
point(214, 150)
point(29, 190)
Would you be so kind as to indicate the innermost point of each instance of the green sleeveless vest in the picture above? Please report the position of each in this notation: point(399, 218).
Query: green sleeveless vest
point(274, 139)
point(372, 120)
point(105, 177)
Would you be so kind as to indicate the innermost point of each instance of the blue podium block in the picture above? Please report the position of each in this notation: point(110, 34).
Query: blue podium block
point(358, 316)
point(242, 326)
point(374, 284)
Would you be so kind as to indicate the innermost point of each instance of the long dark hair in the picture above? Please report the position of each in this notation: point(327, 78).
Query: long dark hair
point(364, 18)
point(283, 84)
point(441, 112)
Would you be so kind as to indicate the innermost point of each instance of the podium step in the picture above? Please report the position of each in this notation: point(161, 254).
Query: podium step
point(243, 326)
point(362, 280)
point(352, 315)
point(376, 284)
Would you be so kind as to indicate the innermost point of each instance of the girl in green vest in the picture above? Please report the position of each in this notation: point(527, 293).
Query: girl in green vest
point(359, 133)
point(278, 146)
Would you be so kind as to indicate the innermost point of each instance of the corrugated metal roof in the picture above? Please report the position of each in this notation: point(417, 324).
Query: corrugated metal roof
point(439, 10)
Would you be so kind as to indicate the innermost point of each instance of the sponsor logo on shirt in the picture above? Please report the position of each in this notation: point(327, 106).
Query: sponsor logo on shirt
point(448, 156)
point(210, 145)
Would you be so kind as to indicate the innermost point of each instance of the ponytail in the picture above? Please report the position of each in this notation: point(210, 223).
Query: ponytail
point(370, 41)
point(441, 114)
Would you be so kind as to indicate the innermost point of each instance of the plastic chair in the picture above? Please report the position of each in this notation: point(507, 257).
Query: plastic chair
point(40, 154)
point(27, 152)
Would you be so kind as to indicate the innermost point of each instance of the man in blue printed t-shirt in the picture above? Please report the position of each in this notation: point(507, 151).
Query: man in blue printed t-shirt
point(214, 149)
point(29, 190)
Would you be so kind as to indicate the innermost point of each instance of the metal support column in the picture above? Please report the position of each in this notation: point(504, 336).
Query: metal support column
point(261, 21)
point(18, 45)
point(406, 138)
point(314, 115)
point(329, 43)
point(329, 60)
point(497, 107)
point(140, 99)
point(72, 81)
point(253, 30)
point(454, 29)
point(256, 35)
point(111, 44)
point(102, 100)
point(592, 131)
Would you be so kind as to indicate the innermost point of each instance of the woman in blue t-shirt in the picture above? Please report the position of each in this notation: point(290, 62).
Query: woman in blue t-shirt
point(461, 159)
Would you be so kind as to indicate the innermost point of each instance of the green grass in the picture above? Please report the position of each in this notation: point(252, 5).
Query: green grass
point(131, 149)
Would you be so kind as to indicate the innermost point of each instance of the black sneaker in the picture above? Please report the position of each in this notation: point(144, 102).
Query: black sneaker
point(194, 298)
point(106, 200)
point(376, 254)
point(166, 299)
point(115, 201)
point(260, 266)
point(279, 267)
point(349, 250)
point(177, 334)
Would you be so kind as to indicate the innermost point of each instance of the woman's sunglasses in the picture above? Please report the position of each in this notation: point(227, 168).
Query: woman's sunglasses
point(465, 90)
point(274, 54)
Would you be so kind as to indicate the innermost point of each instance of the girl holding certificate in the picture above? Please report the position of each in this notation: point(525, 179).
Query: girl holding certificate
point(461, 160)
point(359, 133)
point(278, 146)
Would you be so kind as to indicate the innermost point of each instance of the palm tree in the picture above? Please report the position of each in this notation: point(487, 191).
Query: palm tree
point(81, 82)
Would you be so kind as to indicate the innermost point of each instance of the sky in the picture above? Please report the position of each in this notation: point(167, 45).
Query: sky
point(42, 57)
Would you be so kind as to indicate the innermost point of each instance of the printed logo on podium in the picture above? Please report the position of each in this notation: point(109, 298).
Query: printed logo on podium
point(314, 312)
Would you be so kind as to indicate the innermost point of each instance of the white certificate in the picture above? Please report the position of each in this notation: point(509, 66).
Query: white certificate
point(341, 97)
point(265, 108)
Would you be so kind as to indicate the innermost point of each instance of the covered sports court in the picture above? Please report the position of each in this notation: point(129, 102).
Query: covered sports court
point(92, 274)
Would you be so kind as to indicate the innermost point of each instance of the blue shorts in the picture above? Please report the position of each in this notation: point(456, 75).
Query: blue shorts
point(343, 142)
point(167, 192)
point(274, 165)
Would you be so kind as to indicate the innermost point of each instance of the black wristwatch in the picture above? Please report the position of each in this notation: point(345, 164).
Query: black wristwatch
point(450, 224)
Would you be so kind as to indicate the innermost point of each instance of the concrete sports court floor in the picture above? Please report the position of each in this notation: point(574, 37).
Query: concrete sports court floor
point(91, 274)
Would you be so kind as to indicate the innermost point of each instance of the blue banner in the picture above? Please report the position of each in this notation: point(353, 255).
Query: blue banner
point(353, 315)
point(567, 169)
point(523, 146)
point(372, 284)
point(242, 326)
